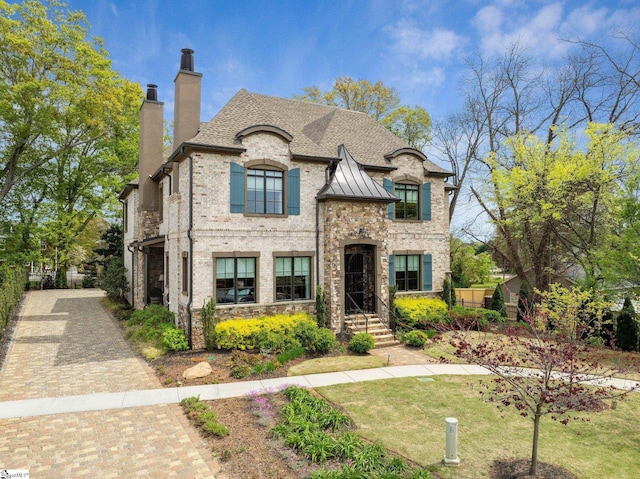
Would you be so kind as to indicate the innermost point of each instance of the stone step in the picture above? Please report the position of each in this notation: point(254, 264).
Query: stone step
point(382, 335)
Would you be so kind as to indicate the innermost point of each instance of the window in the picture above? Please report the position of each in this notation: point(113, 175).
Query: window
point(236, 280)
point(125, 216)
point(407, 207)
point(264, 191)
point(271, 190)
point(407, 272)
point(293, 278)
point(415, 199)
point(185, 273)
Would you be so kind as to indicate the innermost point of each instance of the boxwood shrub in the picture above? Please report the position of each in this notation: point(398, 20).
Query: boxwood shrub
point(361, 343)
point(420, 313)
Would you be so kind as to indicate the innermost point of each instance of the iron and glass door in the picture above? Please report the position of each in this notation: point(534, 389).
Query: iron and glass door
point(360, 279)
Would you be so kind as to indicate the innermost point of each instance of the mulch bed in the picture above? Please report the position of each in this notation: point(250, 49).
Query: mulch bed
point(519, 469)
point(7, 335)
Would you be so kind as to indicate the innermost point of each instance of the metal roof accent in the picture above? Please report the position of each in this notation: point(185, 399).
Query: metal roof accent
point(349, 181)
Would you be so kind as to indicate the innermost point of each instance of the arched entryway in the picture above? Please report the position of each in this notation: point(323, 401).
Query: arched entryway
point(360, 278)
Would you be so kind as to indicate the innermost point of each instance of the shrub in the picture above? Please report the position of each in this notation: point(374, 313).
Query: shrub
point(12, 286)
point(89, 281)
point(448, 293)
point(324, 341)
point(241, 333)
point(115, 282)
point(468, 318)
point(321, 306)
point(271, 342)
point(497, 302)
point(416, 339)
point(491, 316)
point(361, 343)
point(199, 413)
point(525, 300)
point(420, 313)
point(627, 327)
point(154, 313)
point(208, 316)
point(174, 339)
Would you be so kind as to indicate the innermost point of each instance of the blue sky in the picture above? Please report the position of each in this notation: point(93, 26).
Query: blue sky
point(279, 47)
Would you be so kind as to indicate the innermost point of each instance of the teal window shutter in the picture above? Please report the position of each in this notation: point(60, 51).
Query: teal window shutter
point(237, 188)
point(392, 279)
point(293, 192)
point(427, 272)
point(426, 201)
point(387, 184)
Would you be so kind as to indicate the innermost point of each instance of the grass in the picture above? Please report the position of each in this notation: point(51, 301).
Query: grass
point(605, 447)
point(440, 349)
point(336, 363)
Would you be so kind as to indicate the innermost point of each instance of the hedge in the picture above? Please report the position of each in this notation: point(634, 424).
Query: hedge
point(11, 287)
point(241, 333)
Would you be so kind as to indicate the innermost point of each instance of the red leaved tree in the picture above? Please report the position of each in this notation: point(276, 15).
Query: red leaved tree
point(540, 371)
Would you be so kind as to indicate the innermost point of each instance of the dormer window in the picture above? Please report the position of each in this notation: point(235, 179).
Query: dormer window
point(265, 192)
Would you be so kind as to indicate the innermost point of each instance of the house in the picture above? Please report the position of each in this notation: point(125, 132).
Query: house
point(272, 198)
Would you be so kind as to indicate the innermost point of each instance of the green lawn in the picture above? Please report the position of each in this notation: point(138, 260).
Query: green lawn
point(408, 416)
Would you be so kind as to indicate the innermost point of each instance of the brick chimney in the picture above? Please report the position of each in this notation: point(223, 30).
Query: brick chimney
point(151, 132)
point(186, 110)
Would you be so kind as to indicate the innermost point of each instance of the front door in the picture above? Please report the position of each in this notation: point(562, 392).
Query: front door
point(360, 279)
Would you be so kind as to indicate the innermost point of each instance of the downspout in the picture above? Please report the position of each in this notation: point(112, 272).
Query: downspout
point(133, 277)
point(164, 170)
point(317, 242)
point(190, 237)
point(133, 268)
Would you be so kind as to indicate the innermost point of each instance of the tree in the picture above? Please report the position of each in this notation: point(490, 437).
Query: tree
point(552, 205)
point(111, 244)
point(509, 95)
point(627, 327)
point(525, 300)
point(540, 372)
point(497, 301)
point(448, 293)
point(467, 267)
point(68, 121)
point(115, 281)
point(378, 101)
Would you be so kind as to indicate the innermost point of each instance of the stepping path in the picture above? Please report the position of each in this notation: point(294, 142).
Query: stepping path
point(66, 345)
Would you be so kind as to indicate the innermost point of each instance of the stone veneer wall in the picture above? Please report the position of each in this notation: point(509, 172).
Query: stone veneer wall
point(352, 222)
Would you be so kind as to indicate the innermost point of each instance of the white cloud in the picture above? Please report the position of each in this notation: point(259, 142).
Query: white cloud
point(412, 43)
point(114, 9)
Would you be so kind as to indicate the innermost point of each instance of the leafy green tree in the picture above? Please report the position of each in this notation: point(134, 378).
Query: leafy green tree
point(380, 102)
point(448, 293)
point(111, 244)
point(467, 267)
point(627, 327)
point(553, 204)
point(68, 122)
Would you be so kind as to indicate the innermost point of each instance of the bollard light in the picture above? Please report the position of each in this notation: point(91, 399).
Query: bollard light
point(451, 450)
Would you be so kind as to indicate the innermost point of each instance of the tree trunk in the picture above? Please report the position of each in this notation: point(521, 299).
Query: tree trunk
point(533, 470)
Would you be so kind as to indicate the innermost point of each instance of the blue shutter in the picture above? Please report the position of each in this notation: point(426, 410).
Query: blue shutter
point(392, 279)
point(237, 188)
point(426, 201)
point(293, 192)
point(427, 273)
point(388, 185)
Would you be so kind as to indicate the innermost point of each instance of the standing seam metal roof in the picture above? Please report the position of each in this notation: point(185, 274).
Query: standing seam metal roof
point(349, 181)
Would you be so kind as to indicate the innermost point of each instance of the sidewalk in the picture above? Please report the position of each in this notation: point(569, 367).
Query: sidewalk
point(152, 397)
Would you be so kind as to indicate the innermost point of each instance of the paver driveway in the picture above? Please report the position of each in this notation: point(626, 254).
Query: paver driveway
point(66, 344)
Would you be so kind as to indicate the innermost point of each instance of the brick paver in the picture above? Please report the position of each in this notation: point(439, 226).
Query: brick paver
point(65, 344)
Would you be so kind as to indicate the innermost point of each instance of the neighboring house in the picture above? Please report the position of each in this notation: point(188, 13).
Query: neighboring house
point(564, 275)
point(272, 198)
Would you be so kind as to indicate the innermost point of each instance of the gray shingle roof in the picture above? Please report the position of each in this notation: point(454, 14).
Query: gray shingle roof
point(349, 181)
point(317, 130)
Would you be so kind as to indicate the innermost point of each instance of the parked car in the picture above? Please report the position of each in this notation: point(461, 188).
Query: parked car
point(245, 295)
